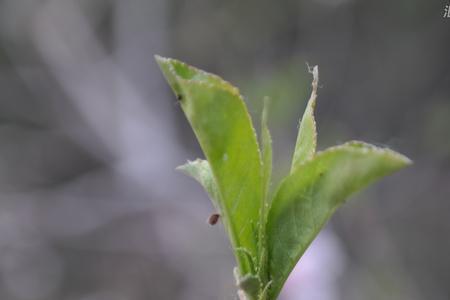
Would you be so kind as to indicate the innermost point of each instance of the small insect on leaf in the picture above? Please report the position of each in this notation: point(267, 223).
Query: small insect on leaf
point(213, 219)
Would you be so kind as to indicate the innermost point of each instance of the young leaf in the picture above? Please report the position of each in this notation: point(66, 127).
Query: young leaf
point(201, 171)
point(266, 144)
point(267, 242)
point(305, 146)
point(307, 198)
point(224, 130)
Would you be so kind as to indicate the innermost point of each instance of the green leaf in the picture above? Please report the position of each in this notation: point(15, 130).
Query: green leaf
point(266, 144)
point(307, 198)
point(224, 130)
point(305, 146)
point(201, 171)
point(267, 242)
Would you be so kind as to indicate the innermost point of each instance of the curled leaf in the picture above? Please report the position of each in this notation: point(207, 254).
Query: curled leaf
point(305, 146)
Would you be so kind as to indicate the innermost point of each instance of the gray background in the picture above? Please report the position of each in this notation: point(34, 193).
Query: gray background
point(91, 207)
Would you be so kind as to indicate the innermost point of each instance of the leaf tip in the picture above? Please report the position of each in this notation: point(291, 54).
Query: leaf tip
point(265, 111)
point(399, 160)
point(160, 60)
point(406, 161)
point(315, 83)
point(182, 168)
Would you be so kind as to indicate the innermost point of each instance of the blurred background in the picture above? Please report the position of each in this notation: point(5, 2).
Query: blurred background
point(91, 207)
